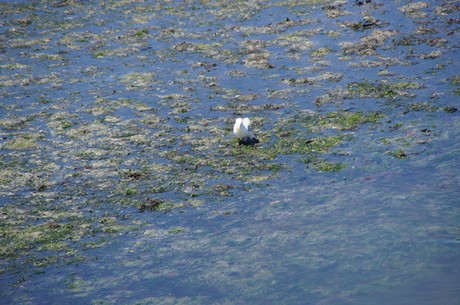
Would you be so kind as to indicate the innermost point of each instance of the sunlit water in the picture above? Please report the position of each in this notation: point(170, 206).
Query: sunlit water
point(382, 230)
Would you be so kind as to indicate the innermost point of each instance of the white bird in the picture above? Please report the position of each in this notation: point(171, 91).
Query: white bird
point(241, 129)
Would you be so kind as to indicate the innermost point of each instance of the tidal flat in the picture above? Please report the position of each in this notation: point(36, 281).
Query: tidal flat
point(121, 181)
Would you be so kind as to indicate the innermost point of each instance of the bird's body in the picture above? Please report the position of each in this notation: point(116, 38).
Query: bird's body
point(241, 129)
point(242, 133)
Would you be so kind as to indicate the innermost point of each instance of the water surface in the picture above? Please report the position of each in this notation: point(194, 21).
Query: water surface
point(121, 183)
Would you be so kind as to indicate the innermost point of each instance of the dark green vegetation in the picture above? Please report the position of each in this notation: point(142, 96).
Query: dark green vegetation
point(117, 111)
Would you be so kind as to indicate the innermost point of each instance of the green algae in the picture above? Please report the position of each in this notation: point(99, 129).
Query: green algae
point(138, 80)
point(53, 231)
point(177, 230)
point(368, 45)
point(288, 145)
point(422, 106)
point(21, 237)
point(390, 91)
point(16, 123)
point(323, 165)
point(213, 51)
point(327, 76)
point(455, 80)
point(399, 154)
point(19, 143)
point(450, 109)
point(343, 120)
point(413, 10)
point(321, 52)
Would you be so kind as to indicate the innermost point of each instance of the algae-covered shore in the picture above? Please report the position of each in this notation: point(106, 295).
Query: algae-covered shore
point(121, 182)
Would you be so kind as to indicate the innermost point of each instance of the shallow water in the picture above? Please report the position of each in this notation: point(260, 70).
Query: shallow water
point(121, 182)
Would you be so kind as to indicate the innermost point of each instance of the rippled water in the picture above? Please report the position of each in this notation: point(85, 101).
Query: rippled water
point(121, 182)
